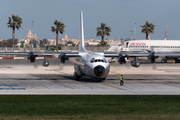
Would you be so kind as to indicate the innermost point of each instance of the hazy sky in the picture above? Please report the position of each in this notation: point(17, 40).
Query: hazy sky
point(120, 15)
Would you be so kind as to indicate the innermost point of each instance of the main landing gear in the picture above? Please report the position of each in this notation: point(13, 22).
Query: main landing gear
point(99, 79)
point(76, 76)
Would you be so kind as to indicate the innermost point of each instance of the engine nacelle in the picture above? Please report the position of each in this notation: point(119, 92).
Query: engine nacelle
point(63, 58)
point(121, 59)
point(32, 57)
point(44, 63)
point(152, 58)
point(135, 63)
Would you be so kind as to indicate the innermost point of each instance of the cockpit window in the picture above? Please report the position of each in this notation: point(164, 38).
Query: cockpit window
point(104, 60)
point(92, 60)
point(98, 60)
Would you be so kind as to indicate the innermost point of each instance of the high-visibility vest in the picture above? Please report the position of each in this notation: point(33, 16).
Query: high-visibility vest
point(121, 78)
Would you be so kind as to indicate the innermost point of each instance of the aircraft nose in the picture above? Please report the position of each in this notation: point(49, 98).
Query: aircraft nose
point(99, 70)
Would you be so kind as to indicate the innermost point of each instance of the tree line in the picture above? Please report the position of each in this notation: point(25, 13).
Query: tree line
point(15, 22)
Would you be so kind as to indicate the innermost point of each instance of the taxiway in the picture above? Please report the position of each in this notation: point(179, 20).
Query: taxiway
point(20, 77)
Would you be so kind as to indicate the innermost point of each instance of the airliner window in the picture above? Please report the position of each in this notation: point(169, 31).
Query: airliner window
point(104, 60)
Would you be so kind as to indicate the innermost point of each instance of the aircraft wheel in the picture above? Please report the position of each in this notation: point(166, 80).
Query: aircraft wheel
point(76, 76)
point(98, 79)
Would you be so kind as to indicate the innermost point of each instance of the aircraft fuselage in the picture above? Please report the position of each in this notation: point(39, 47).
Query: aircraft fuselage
point(92, 65)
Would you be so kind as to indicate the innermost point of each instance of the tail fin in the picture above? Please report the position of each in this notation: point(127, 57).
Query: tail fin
point(81, 47)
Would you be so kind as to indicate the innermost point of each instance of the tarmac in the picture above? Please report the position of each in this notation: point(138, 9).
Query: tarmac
point(20, 77)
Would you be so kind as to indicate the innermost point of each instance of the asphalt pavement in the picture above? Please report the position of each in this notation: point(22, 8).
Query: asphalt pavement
point(22, 77)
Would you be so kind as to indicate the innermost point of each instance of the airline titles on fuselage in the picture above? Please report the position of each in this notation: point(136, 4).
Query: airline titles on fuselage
point(138, 44)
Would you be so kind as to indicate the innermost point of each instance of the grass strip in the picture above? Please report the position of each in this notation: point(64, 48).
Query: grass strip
point(89, 106)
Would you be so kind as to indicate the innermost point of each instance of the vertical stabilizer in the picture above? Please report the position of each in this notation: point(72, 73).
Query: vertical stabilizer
point(81, 47)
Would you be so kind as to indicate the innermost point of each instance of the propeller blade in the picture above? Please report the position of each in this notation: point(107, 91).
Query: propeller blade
point(61, 66)
point(35, 65)
point(153, 66)
point(71, 59)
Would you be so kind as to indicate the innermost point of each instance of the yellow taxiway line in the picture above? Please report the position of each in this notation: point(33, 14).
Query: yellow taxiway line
point(61, 72)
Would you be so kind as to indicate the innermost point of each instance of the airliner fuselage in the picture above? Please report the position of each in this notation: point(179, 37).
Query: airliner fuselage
point(158, 45)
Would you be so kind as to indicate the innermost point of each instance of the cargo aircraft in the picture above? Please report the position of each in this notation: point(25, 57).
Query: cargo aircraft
point(91, 64)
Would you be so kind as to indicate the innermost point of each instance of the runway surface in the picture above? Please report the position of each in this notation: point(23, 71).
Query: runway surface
point(20, 77)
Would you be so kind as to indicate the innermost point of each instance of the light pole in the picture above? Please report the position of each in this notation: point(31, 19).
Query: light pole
point(131, 34)
point(32, 32)
point(134, 30)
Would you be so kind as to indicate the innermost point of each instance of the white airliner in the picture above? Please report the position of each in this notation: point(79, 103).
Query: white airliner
point(166, 48)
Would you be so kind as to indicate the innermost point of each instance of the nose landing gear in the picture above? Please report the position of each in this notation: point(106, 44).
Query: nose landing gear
point(99, 79)
point(76, 76)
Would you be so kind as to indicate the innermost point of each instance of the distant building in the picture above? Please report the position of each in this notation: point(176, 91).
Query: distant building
point(65, 38)
point(29, 36)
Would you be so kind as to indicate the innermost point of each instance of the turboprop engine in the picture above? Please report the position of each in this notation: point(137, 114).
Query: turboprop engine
point(32, 57)
point(121, 59)
point(152, 57)
point(63, 58)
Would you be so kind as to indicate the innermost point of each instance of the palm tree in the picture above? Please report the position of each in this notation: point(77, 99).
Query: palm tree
point(13, 23)
point(147, 29)
point(58, 27)
point(102, 31)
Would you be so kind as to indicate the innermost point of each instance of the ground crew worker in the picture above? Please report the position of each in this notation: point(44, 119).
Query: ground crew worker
point(121, 79)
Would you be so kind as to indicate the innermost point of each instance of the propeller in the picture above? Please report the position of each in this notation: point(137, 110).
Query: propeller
point(152, 57)
point(62, 58)
point(32, 59)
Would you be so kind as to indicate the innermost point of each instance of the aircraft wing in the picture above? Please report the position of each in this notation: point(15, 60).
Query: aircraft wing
point(15, 53)
point(40, 54)
point(68, 54)
point(107, 54)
